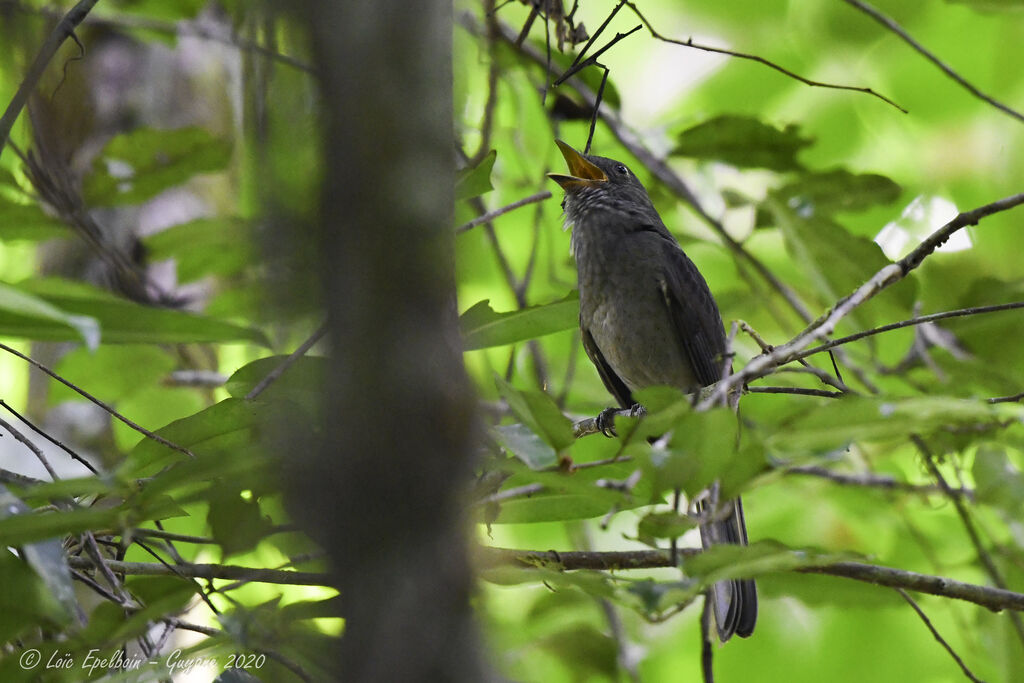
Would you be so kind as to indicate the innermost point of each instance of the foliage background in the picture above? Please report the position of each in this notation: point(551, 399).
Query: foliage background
point(199, 138)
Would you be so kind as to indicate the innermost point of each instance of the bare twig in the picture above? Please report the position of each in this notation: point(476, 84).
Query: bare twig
point(707, 645)
point(577, 67)
point(796, 391)
point(1007, 399)
point(61, 32)
point(491, 215)
point(869, 480)
point(81, 392)
point(56, 442)
point(518, 492)
point(760, 60)
point(898, 30)
point(40, 456)
point(972, 532)
point(935, 633)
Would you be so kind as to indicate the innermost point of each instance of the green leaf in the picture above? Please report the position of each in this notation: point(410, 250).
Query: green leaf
point(227, 426)
point(39, 526)
point(28, 222)
point(236, 523)
point(834, 425)
point(482, 327)
point(839, 262)
point(743, 142)
point(667, 524)
point(102, 371)
point(518, 440)
point(829, 192)
point(207, 246)
point(539, 413)
point(123, 321)
point(585, 650)
point(722, 562)
point(303, 381)
point(26, 315)
point(25, 601)
point(139, 165)
point(998, 481)
point(475, 180)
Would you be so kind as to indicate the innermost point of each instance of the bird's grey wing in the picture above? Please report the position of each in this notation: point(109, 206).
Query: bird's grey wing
point(614, 384)
point(694, 315)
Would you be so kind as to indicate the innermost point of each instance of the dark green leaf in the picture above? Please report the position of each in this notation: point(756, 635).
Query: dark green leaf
point(137, 166)
point(744, 142)
point(664, 525)
point(303, 381)
point(482, 327)
point(475, 180)
point(236, 523)
point(25, 601)
point(584, 649)
point(829, 192)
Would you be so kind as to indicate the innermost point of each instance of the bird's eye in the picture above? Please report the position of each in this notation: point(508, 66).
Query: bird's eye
point(622, 170)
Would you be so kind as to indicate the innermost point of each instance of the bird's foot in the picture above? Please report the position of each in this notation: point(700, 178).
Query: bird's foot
point(606, 421)
point(606, 418)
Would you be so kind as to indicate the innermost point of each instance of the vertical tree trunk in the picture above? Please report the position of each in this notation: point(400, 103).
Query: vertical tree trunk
point(385, 490)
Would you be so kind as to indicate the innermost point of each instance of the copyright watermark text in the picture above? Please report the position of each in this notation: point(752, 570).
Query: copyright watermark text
point(176, 662)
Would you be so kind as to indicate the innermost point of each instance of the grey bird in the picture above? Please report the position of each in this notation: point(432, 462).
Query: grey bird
point(647, 318)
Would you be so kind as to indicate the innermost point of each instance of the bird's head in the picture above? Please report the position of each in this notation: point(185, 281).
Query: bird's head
point(598, 183)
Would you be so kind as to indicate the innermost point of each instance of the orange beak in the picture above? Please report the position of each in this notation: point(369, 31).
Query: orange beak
point(582, 172)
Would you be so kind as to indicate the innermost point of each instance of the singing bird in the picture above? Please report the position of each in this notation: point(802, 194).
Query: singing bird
point(648, 318)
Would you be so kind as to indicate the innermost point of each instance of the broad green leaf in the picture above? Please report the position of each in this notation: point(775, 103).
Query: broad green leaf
point(28, 222)
point(744, 142)
point(121, 320)
point(998, 481)
point(839, 262)
point(518, 440)
point(834, 425)
point(585, 649)
point(26, 315)
point(539, 413)
point(45, 557)
point(666, 524)
point(207, 246)
point(39, 526)
point(828, 192)
point(475, 180)
point(303, 381)
point(237, 524)
point(225, 426)
point(25, 601)
point(139, 165)
point(482, 327)
point(103, 371)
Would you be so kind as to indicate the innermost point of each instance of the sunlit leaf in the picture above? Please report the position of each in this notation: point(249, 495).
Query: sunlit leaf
point(744, 142)
point(482, 327)
point(476, 180)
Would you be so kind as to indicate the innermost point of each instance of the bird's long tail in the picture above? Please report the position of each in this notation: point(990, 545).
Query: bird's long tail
point(734, 602)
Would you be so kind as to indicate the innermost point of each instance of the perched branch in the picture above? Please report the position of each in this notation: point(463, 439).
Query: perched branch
point(868, 480)
point(995, 599)
point(760, 60)
point(287, 362)
point(898, 30)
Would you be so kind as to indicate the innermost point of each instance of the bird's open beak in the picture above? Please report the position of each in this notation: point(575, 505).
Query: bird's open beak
point(583, 173)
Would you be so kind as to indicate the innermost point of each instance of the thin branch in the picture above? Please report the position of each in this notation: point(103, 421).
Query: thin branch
point(935, 633)
point(576, 68)
point(869, 480)
point(707, 643)
point(524, 491)
point(972, 532)
point(761, 60)
point(821, 328)
point(61, 32)
point(796, 391)
point(40, 456)
point(898, 30)
point(56, 442)
point(1007, 399)
point(83, 393)
point(917, 320)
point(995, 599)
point(287, 362)
point(491, 215)
point(210, 571)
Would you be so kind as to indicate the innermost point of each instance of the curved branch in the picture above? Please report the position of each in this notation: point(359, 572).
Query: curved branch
point(209, 571)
